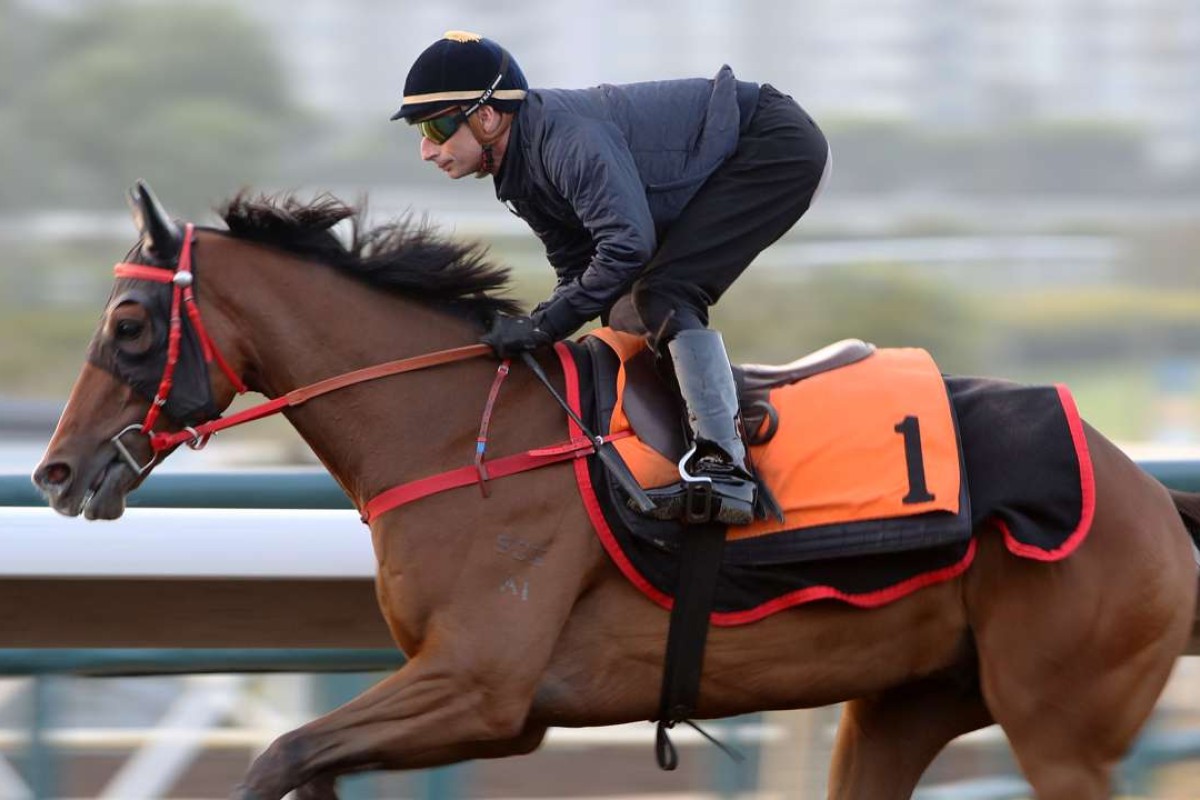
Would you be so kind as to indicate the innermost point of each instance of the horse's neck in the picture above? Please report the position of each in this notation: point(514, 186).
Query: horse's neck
point(305, 323)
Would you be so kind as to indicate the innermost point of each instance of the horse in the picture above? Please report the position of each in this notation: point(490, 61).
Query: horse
point(1067, 657)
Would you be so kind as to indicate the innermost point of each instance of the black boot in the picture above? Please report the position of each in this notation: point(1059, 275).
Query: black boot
point(715, 470)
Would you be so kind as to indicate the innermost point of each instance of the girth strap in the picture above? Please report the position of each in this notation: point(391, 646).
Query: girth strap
point(695, 593)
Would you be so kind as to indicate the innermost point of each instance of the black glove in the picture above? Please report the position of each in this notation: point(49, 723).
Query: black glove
point(512, 336)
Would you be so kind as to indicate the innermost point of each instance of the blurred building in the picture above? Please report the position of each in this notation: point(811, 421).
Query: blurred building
point(942, 64)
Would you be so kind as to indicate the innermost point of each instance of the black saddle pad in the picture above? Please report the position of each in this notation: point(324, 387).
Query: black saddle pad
point(1027, 471)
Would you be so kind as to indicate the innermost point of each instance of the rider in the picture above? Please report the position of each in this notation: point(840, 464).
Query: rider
point(661, 191)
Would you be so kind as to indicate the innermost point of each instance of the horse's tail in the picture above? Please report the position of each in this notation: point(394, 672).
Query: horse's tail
point(1188, 506)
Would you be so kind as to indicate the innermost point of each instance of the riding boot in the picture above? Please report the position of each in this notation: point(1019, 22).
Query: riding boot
point(719, 481)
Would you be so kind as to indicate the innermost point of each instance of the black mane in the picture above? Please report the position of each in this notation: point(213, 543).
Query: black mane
point(409, 257)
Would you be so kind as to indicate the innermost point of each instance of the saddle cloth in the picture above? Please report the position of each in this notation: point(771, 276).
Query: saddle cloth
point(864, 457)
point(849, 533)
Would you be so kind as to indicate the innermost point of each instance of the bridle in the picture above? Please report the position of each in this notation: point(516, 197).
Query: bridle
point(182, 296)
point(196, 437)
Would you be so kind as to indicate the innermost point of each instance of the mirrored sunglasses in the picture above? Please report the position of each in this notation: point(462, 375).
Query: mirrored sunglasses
point(439, 129)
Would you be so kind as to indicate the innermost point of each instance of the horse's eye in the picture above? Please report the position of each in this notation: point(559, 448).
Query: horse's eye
point(128, 329)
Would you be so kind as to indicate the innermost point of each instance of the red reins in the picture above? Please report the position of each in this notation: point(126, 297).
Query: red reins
point(162, 441)
point(183, 279)
point(479, 471)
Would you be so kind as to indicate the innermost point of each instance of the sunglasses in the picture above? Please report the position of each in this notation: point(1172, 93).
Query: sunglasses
point(440, 128)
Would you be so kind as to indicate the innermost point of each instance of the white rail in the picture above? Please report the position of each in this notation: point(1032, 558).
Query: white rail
point(187, 543)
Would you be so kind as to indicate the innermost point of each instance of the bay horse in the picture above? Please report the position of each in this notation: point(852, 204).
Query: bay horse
point(1068, 657)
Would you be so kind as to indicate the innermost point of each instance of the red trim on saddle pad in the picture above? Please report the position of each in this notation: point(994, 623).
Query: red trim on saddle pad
point(609, 541)
point(1087, 488)
point(588, 494)
point(874, 599)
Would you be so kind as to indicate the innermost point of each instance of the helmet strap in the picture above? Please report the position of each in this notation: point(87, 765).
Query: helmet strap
point(487, 163)
point(488, 141)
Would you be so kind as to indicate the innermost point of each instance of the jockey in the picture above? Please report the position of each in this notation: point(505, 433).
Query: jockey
point(656, 194)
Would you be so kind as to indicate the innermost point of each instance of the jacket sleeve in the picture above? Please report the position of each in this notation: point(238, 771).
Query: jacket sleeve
point(589, 164)
point(568, 249)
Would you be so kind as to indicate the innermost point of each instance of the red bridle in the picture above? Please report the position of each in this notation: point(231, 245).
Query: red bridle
point(182, 296)
point(197, 436)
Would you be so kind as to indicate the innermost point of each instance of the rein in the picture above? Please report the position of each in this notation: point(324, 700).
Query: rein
point(196, 437)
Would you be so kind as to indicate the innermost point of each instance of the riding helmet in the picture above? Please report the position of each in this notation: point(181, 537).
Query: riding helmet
point(462, 69)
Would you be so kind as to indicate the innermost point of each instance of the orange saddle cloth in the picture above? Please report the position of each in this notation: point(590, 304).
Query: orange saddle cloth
point(872, 440)
point(866, 462)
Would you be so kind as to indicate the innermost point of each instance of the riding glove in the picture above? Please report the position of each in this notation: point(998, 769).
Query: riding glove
point(511, 336)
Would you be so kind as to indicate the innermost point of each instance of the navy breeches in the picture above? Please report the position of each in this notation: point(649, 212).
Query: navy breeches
point(745, 205)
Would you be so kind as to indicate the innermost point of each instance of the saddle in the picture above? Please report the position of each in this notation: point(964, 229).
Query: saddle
point(834, 435)
point(652, 407)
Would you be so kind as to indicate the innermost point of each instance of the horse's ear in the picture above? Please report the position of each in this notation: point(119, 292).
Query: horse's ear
point(162, 236)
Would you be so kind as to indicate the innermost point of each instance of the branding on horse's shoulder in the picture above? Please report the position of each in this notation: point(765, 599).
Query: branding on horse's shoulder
point(521, 550)
point(516, 587)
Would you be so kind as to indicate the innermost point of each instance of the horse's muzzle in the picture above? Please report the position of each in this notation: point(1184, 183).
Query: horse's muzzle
point(94, 486)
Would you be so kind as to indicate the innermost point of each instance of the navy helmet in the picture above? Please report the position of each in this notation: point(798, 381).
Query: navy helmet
point(461, 69)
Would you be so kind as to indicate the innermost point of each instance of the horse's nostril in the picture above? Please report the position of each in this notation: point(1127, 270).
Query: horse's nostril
point(56, 474)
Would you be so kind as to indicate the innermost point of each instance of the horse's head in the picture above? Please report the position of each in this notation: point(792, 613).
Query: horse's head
point(147, 363)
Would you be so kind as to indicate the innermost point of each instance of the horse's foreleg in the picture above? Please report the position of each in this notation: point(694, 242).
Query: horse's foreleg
point(422, 716)
point(323, 787)
point(481, 629)
point(886, 741)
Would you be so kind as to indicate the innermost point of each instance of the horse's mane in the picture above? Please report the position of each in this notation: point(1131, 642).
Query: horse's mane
point(406, 256)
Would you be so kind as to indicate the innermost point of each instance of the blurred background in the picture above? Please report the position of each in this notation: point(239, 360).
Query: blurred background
point(1016, 187)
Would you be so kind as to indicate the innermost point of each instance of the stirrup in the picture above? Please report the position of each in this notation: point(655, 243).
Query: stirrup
point(697, 496)
point(669, 502)
point(730, 501)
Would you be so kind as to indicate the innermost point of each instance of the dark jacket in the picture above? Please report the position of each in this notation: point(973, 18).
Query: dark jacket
point(599, 174)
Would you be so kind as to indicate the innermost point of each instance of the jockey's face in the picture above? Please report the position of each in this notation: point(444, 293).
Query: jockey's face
point(458, 156)
point(461, 154)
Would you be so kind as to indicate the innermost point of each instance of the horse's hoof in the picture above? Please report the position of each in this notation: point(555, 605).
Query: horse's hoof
point(317, 789)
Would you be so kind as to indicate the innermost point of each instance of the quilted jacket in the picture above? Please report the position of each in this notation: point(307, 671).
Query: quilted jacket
point(599, 174)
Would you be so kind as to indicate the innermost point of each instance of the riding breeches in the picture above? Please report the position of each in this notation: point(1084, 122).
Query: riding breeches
point(780, 163)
